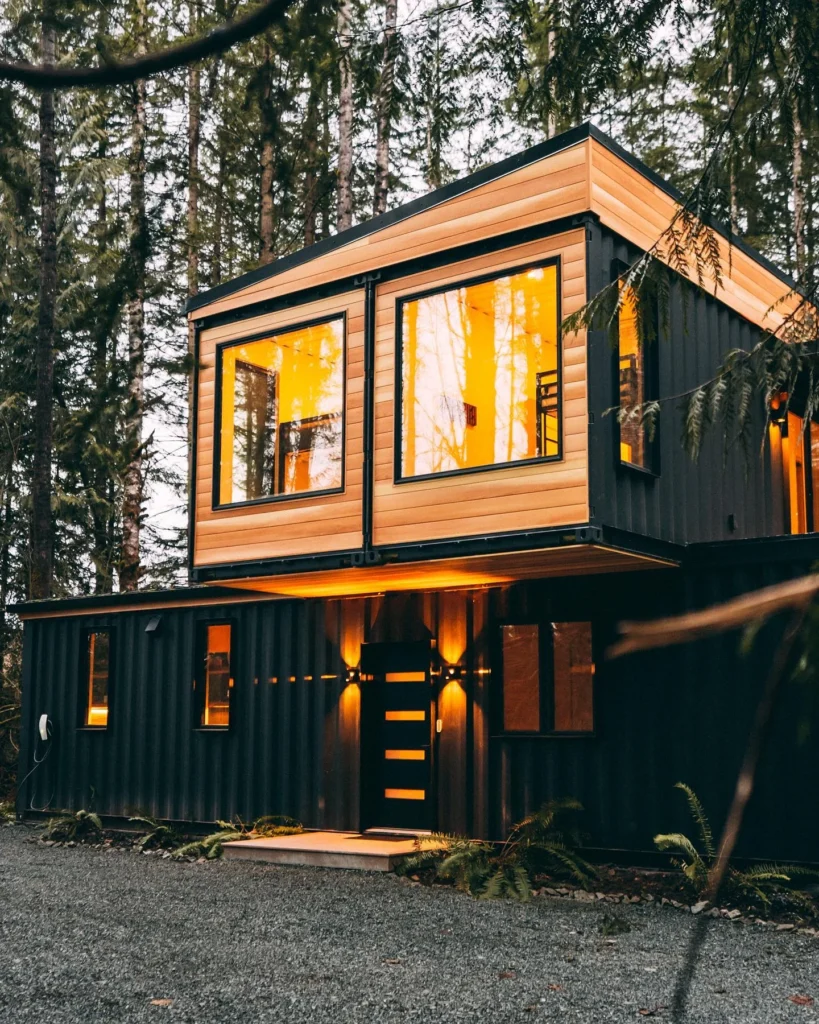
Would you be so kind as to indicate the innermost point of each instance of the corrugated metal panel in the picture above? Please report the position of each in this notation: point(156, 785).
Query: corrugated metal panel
point(293, 747)
point(688, 502)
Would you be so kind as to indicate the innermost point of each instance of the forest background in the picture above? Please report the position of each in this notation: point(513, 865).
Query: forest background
point(116, 204)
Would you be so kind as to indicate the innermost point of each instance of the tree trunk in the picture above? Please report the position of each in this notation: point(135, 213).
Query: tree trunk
point(129, 572)
point(267, 225)
point(344, 211)
point(42, 524)
point(732, 159)
point(311, 170)
point(194, 122)
point(799, 205)
point(384, 109)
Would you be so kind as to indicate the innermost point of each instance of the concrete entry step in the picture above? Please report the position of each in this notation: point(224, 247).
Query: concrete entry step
point(327, 850)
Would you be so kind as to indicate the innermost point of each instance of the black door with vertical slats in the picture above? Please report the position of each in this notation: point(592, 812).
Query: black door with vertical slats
point(397, 726)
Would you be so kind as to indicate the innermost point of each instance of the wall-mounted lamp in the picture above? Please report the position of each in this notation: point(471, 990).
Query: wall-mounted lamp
point(152, 629)
point(353, 675)
point(454, 672)
point(779, 412)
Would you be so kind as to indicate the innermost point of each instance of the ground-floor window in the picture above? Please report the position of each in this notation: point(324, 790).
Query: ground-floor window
point(214, 680)
point(96, 672)
point(547, 678)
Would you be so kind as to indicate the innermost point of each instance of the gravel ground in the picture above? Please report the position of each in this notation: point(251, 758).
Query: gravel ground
point(87, 935)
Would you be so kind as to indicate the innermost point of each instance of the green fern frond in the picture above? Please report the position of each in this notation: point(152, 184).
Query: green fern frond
point(700, 819)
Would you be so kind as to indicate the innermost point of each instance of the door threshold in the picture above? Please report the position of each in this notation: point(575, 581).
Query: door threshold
point(397, 832)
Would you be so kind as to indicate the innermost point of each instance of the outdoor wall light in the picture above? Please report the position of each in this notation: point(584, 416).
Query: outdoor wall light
point(454, 672)
point(353, 675)
point(153, 625)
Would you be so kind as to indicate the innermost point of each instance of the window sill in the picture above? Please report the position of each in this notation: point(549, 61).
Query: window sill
point(92, 728)
point(520, 464)
point(632, 467)
point(212, 728)
point(277, 498)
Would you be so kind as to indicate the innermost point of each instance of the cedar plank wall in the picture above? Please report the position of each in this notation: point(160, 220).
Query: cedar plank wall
point(636, 209)
point(517, 498)
point(688, 501)
point(547, 190)
point(280, 528)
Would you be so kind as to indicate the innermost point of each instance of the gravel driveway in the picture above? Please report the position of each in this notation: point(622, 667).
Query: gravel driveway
point(87, 935)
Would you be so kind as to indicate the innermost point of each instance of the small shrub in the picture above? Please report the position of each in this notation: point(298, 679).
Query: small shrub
point(212, 846)
point(751, 888)
point(159, 836)
point(610, 925)
point(535, 844)
point(73, 826)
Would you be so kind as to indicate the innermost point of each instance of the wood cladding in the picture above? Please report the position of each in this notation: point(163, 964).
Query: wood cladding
point(296, 525)
point(516, 497)
point(584, 177)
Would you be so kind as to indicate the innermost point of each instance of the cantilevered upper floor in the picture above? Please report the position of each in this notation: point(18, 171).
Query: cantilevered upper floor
point(397, 405)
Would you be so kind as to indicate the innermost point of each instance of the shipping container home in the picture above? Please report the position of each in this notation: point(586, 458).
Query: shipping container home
point(415, 524)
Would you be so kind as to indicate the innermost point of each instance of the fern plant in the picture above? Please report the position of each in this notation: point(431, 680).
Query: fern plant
point(540, 842)
point(72, 826)
point(546, 842)
point(750, 887)
point(212, 846)
point(159, 836)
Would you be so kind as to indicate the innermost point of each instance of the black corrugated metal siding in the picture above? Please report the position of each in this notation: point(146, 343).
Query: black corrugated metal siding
point(687, 502)
point(680, 713)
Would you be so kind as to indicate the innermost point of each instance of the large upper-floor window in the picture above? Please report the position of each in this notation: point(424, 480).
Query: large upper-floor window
point(281, 414)
point(480, 371)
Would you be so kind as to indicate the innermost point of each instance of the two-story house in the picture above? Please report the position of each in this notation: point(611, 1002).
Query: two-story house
point(415, 524)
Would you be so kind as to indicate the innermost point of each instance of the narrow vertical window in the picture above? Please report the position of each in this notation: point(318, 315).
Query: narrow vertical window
point(97, 672)
point(634, 441)
point(573, 677)
point(521, 678)
point(800, 465)
point(214, 682)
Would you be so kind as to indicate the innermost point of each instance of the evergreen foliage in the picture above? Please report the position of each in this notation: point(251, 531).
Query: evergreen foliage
point(752, 887)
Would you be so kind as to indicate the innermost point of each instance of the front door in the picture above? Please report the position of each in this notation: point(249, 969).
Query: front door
point(397, 727)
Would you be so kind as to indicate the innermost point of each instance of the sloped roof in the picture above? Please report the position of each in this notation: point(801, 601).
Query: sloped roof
point(564, 141)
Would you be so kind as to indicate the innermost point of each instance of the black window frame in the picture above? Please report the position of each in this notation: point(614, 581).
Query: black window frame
point(84, 673)
point(651, 359)
point(398, 417)
point(221, 347)
point(198, 690)
point(798, 409)
point(546, 692)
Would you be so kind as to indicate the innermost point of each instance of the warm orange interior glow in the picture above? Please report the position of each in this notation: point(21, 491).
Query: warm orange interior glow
point(405, 794)
point(97, 716)
point(405, 677)
point(218, 681)
point(793, 458)
point(479, 374)
point(632, 368)
point(281, 415)
point(405, 755)
point(99, 653)
point(405, 716)
point(573, 677)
